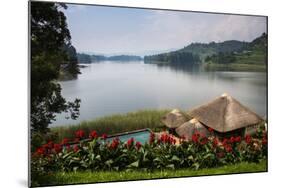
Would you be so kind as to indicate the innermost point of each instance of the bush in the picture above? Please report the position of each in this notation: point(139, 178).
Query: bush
point(158, 153)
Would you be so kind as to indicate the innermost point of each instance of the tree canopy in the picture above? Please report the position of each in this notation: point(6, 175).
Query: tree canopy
point(50, 49)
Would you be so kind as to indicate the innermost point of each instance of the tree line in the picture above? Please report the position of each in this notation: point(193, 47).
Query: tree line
point(86, 58)
point(172, 57)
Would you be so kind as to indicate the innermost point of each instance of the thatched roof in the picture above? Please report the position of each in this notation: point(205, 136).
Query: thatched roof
point(174, 119)
point(189, 128)
point(225, 114)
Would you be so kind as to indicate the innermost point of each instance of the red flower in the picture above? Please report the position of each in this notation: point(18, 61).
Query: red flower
point(138, 145)
point(49, 145)
point(80, 134)
point(40, 151)
point(195, 137)
point(93, 135)
point(232, 139)
point(76, 148)
point(57, 148)
point(215, 142)
point(172, 140)
point(163, 138)
point(210, 129)
point(166, 138)
point(130, 142)
point(228, 148)
point(204, 141)
point(151, 138)
point(225, 141)
point(238, 139)
point(65, 141)
point(104, 136)
point(115, 143)
point(76, 140)
point(68, 148)
point(248, 139)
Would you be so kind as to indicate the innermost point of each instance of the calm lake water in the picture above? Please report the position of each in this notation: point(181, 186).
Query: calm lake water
point(118, 87)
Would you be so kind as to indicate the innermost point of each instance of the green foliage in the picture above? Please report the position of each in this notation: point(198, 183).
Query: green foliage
point(221, 58)
point(39, 139)
point(116, 123)
point(158, 154)
point(254, 52)
point(50, 48)
point(204, 50)
point(173, 58)
point(221, 53)
point(70, 65)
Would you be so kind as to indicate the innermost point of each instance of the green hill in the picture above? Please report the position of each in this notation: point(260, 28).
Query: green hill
point(254, 52)
point(225, 54)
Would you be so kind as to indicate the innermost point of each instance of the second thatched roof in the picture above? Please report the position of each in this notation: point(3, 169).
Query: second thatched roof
point(189, 128)
point(225, 114)
point(174, 119)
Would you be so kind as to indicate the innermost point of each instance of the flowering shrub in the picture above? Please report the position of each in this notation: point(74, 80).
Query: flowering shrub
point(93, 135)
point(160, 152)
point(80, 134)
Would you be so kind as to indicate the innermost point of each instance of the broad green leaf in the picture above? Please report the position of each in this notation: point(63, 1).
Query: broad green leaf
point(172, 166)
point(135, 164)
point(175, 158)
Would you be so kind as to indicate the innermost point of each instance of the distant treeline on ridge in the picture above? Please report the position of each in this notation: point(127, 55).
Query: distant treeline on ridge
point(86, 58)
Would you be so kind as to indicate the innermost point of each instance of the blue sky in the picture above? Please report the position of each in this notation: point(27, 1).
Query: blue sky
point(110, 30)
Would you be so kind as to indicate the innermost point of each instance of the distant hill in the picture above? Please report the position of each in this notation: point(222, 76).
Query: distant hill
point(86, 58)
point(205, 49)
point(97, 58)
point(231, 51)
point(254, 52)
point(124, 58)
point(176, 57)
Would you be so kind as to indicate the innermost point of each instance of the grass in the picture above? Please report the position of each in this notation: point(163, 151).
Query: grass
point(116, 123)
point(106, 176)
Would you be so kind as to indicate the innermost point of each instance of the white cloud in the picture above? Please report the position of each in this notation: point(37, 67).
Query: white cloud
point(160, 30)
point(165, 30)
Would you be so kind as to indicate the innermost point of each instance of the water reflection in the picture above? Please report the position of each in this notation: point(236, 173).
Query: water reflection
point(111, 87)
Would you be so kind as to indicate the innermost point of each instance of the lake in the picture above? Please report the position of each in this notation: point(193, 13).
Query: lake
point(119, 87)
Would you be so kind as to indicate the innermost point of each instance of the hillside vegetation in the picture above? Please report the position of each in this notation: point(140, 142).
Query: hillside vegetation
point(86, 59)
point(228, 54)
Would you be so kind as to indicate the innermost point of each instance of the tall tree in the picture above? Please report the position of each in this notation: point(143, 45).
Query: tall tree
point(49, 35)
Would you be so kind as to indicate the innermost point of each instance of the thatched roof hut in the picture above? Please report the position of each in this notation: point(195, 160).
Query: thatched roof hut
point(225, 114)
point(174, 119)
point(189, 128)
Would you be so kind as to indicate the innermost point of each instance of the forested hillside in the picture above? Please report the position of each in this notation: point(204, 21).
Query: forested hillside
point(85, 58)
point(227, 52)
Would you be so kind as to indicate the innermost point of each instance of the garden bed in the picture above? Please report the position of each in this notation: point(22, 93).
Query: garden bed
point(160, 153)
